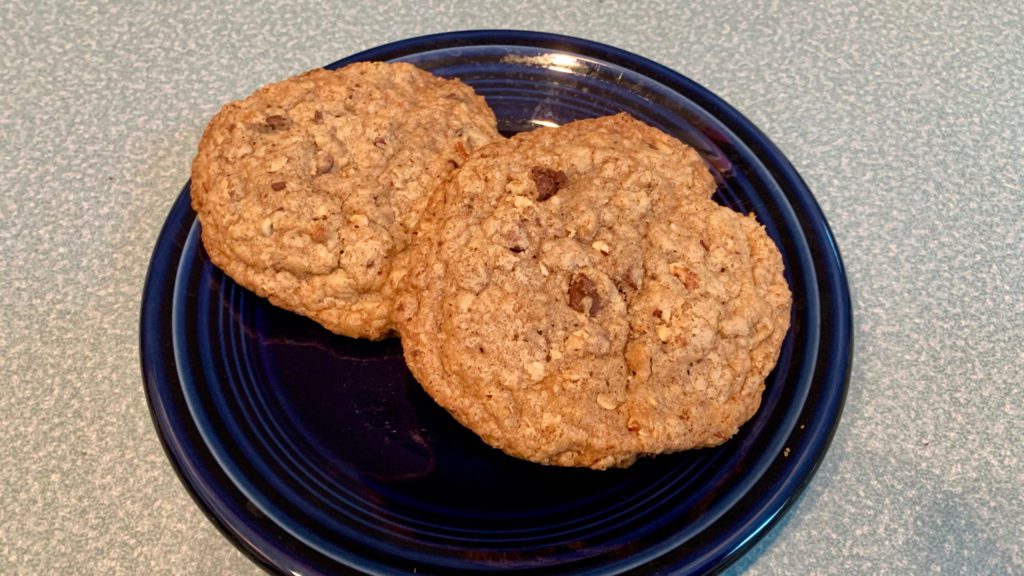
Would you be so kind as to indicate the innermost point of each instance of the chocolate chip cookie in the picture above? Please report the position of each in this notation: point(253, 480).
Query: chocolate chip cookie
point(576, 298)
point(306, 189)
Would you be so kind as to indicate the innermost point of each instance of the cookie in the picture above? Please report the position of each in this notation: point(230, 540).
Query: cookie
point(576, 298)
point(306, 189)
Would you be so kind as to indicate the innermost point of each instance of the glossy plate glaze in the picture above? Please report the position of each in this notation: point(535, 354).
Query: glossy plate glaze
point(317, 454)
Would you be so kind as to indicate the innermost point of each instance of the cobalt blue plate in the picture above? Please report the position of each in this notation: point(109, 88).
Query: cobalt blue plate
point(317, 454)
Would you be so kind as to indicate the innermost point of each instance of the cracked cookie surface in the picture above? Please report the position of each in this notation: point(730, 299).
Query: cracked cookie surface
point(307, 189)
point(575, 298)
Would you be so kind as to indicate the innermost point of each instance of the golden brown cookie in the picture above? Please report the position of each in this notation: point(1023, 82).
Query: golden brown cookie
point(575, 298)
point(307, 188)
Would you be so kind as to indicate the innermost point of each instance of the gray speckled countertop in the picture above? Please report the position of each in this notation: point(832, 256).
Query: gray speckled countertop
point(905, 118)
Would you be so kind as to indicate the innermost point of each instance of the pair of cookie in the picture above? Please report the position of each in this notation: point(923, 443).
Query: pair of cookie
point(571, 294)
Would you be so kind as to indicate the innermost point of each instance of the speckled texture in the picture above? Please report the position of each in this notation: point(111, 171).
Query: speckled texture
point(904, 118)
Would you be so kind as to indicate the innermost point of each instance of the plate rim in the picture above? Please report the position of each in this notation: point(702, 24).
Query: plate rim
point(778, 165)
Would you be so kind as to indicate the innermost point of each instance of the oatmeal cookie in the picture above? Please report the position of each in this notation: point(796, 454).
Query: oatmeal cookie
point(306, 189)
point(576, 298)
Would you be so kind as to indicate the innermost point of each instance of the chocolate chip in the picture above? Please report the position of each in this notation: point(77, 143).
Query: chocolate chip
point(379, 142)
point(703, 245)
point(318, 117)
point(583, 295)
point(278, 122)
point(277, 186)
point(548, 181)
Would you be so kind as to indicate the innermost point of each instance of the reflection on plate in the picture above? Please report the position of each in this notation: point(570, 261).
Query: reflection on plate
point(317, 454)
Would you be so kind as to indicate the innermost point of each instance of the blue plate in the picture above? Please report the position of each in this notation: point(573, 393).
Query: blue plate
point(317, 454)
